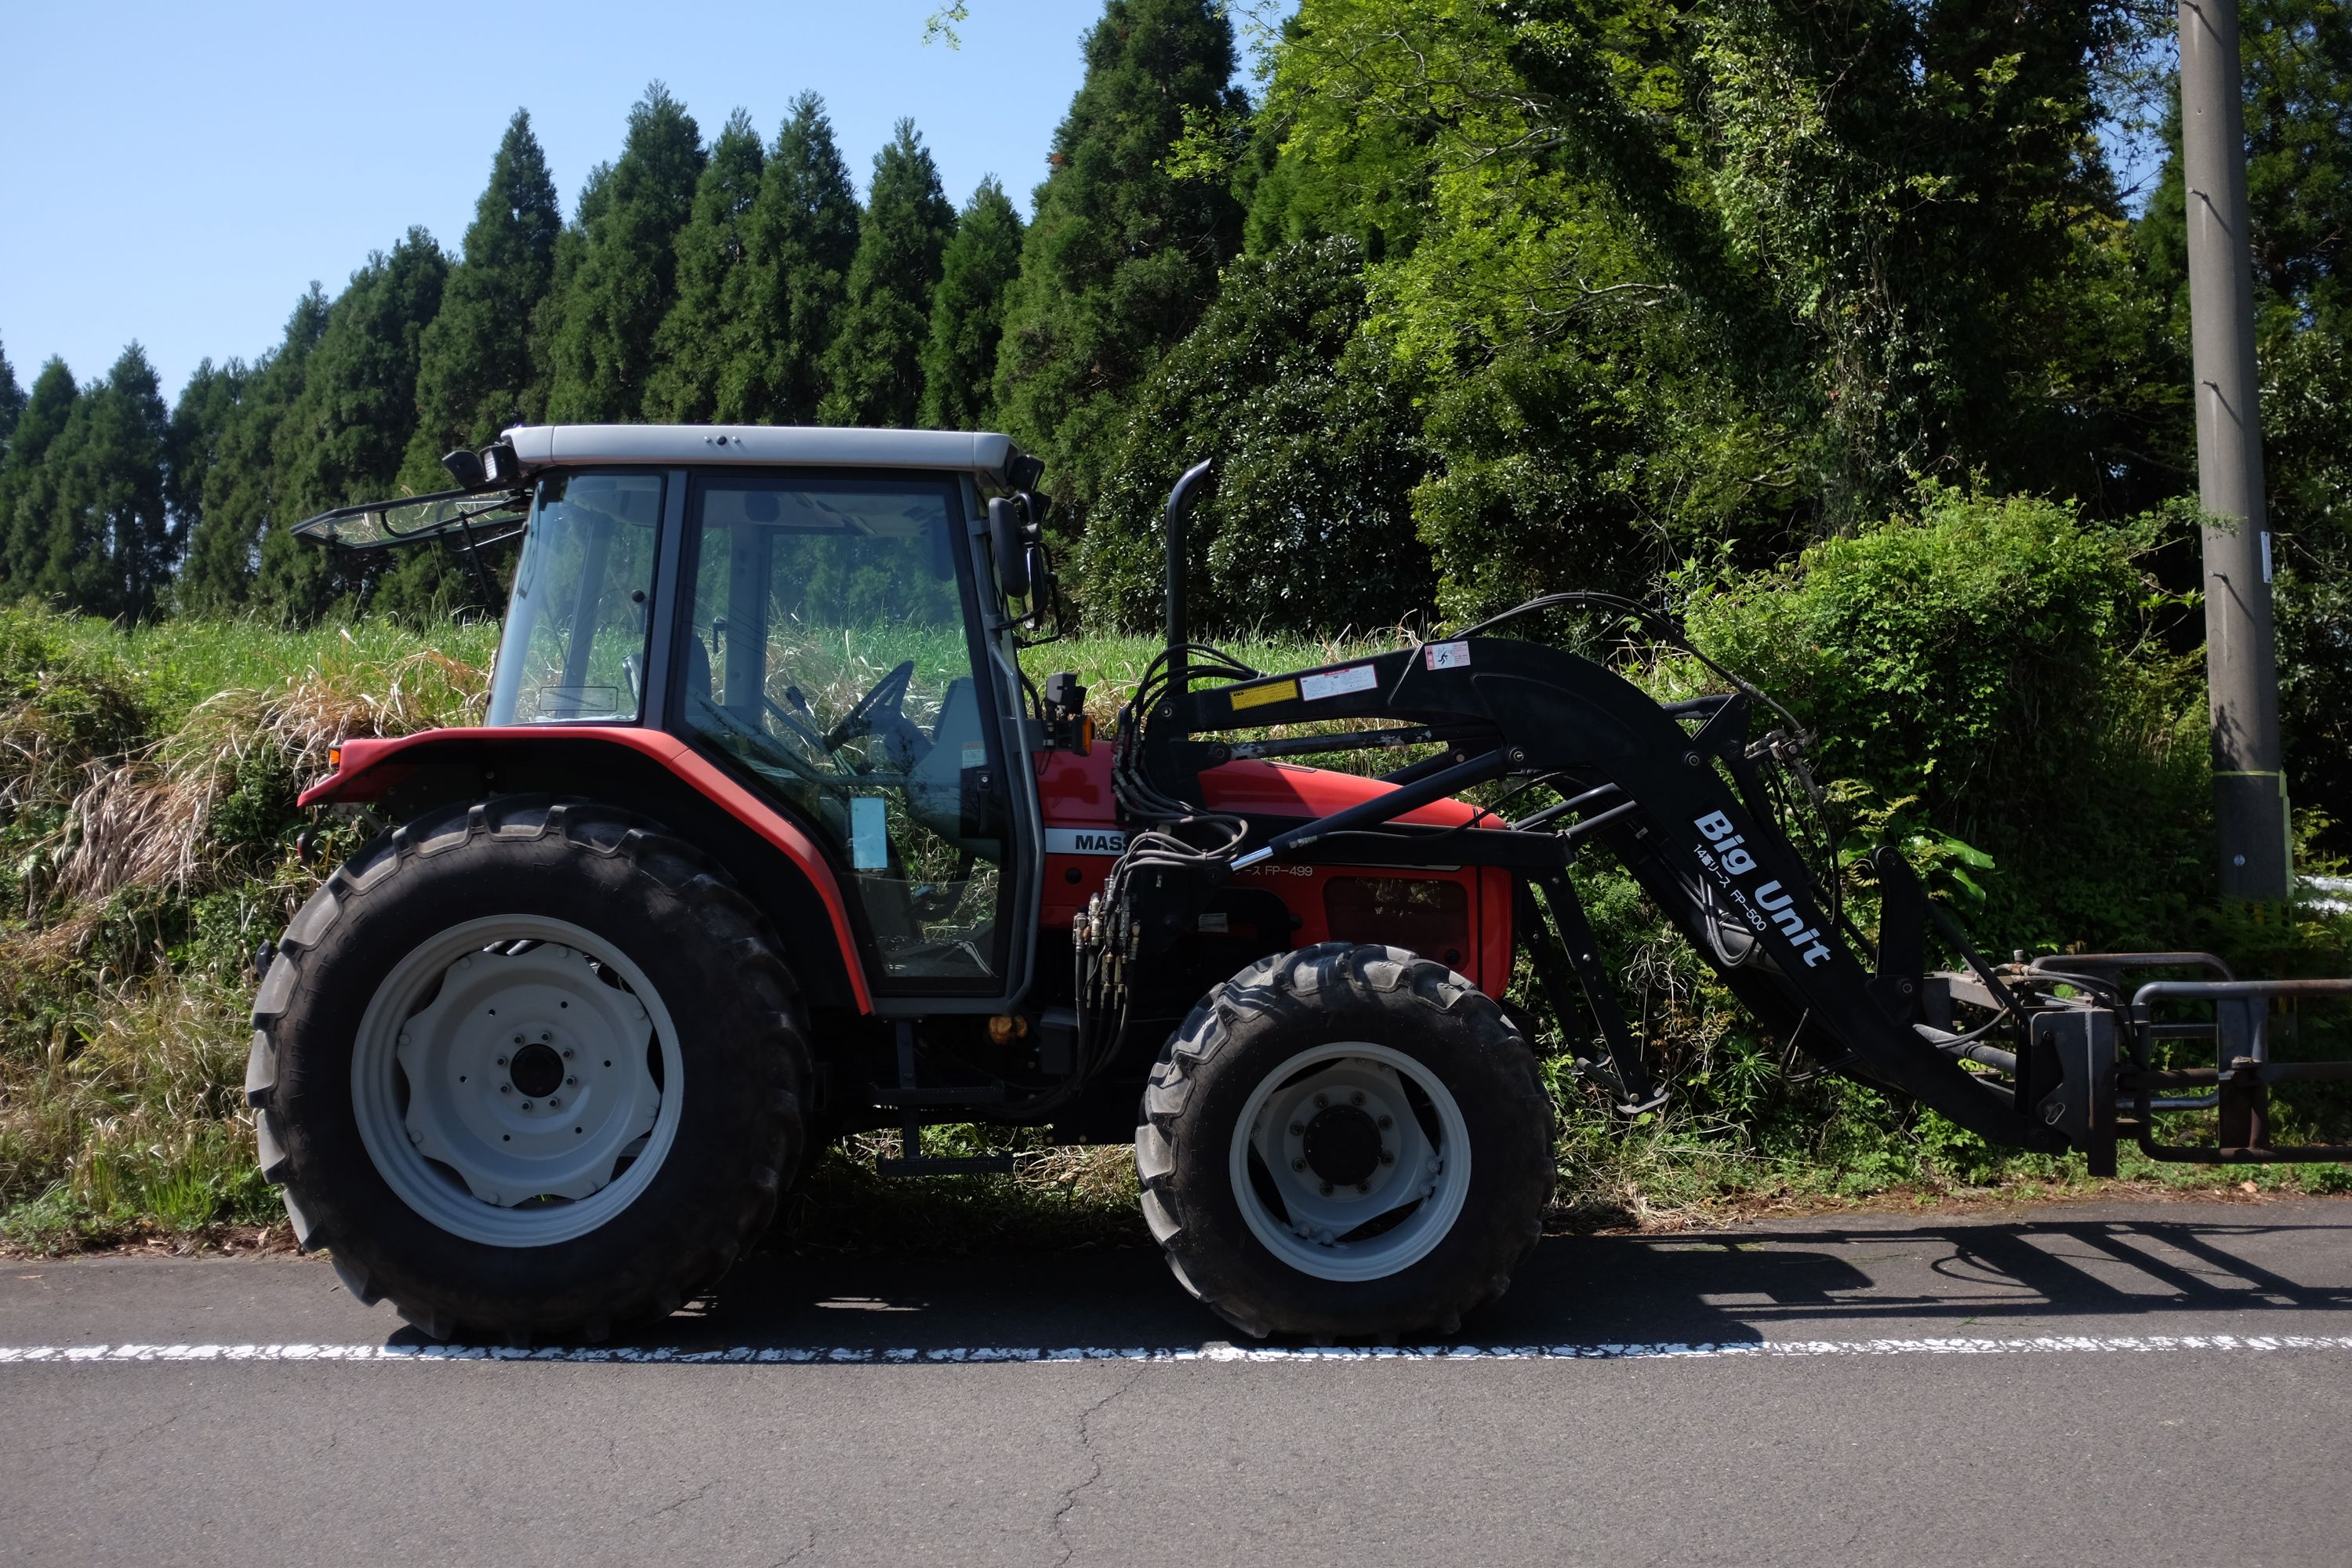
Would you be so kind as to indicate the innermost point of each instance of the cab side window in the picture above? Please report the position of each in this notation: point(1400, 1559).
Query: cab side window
point(828, 655)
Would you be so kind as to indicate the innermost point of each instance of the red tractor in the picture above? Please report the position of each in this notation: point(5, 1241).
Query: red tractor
point(767, 838)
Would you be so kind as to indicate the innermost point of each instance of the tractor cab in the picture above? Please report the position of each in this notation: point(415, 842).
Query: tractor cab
point(816, 612)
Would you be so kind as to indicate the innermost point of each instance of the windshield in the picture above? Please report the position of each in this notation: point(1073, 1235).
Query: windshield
point(574, 648)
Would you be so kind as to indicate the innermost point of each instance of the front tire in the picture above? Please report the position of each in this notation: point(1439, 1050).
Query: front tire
point(1345, 1142)
point(530, 1069)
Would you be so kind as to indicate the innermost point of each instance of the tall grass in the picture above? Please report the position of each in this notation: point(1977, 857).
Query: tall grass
point(147, 779)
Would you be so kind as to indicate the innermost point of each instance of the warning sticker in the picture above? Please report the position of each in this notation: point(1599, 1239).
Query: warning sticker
point(870, 832)
point(1338, 683)
point(1446, 655)
point(1259, 696)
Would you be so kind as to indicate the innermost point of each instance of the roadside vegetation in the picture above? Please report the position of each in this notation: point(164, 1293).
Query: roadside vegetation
point(1960, 662)
point(1855, 335)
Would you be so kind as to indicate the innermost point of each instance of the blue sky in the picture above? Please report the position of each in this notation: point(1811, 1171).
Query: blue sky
point(178, 173)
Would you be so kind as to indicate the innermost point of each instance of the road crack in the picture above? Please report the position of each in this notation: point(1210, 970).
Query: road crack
point(1086, 1446)
point(797, 1552)
point(697, 1495)
point(107, 1446)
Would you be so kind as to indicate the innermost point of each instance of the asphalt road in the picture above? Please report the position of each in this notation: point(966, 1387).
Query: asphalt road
point(2149, 1384)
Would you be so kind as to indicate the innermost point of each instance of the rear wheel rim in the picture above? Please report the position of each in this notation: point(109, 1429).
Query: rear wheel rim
point(517, 1081)
point(1350, 1161)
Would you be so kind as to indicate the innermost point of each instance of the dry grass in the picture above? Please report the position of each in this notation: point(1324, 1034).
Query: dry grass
point(143, 820)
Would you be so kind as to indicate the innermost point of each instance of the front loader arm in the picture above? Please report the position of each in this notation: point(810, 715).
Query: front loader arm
point(1682, 811)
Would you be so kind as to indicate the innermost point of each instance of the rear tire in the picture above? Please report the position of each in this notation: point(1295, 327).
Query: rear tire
point(1345, 1142)
point(447, 1171)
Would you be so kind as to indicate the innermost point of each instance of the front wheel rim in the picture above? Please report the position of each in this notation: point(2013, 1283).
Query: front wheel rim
point(1350, 1161)
point(517, 1081)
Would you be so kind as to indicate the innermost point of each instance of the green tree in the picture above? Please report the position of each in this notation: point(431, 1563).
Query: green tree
point(343, 439)
point(976, 273)
point(25, 484)
point(1678, 279)
point(702, 335)
point(12, 400)
point(626, 275)
point(1123, 256)
point(1309, 528)
point(105, 544)
point(229, 506)
point(473, 373)
point(802, 237)
point(201, 418)
point(874, 367)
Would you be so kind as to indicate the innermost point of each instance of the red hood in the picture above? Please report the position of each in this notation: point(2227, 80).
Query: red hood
point(1076, 792)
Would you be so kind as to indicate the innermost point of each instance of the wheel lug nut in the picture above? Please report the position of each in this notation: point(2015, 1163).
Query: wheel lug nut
point(1363, 1187)
point(506, 1088)
point(1357, 1097)
point(553, 1103)
point(1387, 1158)
point(502, 1061)
point(1322, 1099)
point(1298, 1164)
point(518, 1039)
point(1387, 1122)
point(526, 1105)
point(570, 1082)
point(567, 1053)
point(1298, 1130)
point(1327, 1189)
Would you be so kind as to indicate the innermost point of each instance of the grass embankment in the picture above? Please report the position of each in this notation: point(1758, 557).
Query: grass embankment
point(147, 835)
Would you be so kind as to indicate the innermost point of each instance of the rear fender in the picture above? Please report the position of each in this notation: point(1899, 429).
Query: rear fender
point(775, 861)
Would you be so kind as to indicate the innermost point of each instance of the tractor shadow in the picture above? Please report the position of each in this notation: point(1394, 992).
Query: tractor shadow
point(2148, 1269)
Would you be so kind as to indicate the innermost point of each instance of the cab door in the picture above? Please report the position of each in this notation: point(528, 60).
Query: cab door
point(835, 657)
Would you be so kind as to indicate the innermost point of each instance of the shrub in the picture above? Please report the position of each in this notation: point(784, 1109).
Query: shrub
point(1988, 669)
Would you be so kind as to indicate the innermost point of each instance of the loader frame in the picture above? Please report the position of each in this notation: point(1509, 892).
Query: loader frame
point(2058, 1053)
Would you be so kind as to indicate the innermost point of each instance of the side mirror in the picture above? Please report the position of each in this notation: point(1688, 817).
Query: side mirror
point(1011, 535)
point(493, 465)
point(465, 466)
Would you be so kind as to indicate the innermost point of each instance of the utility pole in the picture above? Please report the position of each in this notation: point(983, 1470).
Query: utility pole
point(2240, 650)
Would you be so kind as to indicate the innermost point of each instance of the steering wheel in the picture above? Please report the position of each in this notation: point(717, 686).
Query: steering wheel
point(878, 710)
point(712, 715)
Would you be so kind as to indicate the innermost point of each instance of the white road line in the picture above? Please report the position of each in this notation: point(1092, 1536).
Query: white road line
point(106, 1355)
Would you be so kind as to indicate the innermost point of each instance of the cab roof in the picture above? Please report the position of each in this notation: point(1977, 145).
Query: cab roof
point(986, 456)
point(493, 511)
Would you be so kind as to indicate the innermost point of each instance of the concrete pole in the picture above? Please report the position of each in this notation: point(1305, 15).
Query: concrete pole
point(2240, 650)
